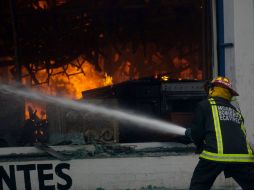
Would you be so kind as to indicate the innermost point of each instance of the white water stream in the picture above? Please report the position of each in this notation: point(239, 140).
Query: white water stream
point(140, 120)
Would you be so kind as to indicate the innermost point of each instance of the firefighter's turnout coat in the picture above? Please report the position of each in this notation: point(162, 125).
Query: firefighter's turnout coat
point(219, 133)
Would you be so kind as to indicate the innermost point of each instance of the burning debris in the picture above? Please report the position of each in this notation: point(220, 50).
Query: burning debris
point(35, 129)
point(68, 81)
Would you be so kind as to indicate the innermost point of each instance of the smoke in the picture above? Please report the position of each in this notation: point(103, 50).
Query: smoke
point(145, 122)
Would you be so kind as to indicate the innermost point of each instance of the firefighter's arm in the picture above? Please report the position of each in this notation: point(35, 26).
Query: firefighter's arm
point(196, 132)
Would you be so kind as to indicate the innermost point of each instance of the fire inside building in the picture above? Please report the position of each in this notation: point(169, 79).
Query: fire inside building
point(150, 56)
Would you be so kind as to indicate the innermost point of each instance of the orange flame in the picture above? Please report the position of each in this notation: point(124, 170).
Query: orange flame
point(68, 82)
point(80, 75)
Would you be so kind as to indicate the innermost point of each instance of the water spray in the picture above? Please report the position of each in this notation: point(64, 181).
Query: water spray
point(140, 120)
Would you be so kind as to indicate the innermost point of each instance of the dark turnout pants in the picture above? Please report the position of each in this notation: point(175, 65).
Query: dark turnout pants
point(206, 172)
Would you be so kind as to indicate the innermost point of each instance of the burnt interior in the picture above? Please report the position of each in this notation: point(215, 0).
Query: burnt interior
point(149, 47)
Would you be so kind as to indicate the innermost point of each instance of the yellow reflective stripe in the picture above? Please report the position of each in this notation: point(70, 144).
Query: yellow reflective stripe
point(249, 148)
point(220, 148)
point(247, 143)
point(227, 157)
point(216, 121)
point(244, 131)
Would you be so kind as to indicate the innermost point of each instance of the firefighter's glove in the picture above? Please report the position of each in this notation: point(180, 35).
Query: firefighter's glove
point(186, 139)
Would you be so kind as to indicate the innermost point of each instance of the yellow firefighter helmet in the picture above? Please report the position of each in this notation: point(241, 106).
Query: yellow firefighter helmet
point(224, 82)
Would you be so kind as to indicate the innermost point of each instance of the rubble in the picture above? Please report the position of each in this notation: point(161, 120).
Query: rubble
point(102, 151)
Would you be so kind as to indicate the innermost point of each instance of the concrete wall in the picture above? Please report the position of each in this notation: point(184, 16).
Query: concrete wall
point(239, 29)
point(172, 172)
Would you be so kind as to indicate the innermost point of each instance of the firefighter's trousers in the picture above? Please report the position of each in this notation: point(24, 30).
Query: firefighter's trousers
point(206, 172)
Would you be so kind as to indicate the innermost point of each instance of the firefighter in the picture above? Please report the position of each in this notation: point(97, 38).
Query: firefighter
point(220, 136)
